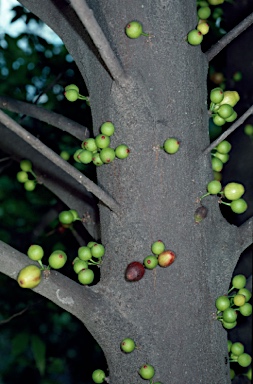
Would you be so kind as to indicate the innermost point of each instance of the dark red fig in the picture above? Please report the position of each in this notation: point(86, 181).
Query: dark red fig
point(200, 214)
point(134, 271)
point(166, 258)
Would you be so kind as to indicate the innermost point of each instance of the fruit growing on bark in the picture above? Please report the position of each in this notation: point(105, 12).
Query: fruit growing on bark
point(29, 277)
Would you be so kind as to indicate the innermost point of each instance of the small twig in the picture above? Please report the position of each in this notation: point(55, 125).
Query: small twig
point(229, 130)
point(86, 16)
point(49, 117)
point(13, 316)
point(230, 36)
point(58, 161)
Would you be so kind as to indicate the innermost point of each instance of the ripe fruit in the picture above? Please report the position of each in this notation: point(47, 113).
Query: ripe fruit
point(29, 277)
point(200, 214)
point(157, 247)
point(30, 185)
point(127, 345)
point(150, 262)
point(134, 30)
point(35, 252)
point(239, 206)
point(122, 151)
point(107, 128)
point(102, 141)
point(86, 276)
point(147, 371)
point(66, 217)
point(134, 271)
point(84, 253)
point(166, 258)
point(222, 303)
point(107, 155)
point(194, 37)
point(231, 98)
point(98, 376)
point(57, 259)
point(22, 176)
point(171, 145)
point(26, 165)
point(214, 187)
point(233, 191)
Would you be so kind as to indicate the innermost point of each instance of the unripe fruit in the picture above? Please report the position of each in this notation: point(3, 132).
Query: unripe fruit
point(85, 156)
point(71, 95)
point(26, 165)
point(84, 253)
point(214, 187)
point(233, 191)
point(229, 342)
point(134, 271)
point(194, 37)
point(90, 144)
point(74, 213)
point(102, 141)
point(229, 315)
point(248, 374)
point(248, 129)
point(237, 348)
point(244, 360)
point(147, 371)
point(171, 145)
point(239, 300)
point(91, 243)
point(217, 176)
point(219, 120)
point(225, 111)
point(65, 155)
point(158, 247)
point(246, 293)
point(246, 309)
point(216, 2)
point(122, 151)
point(76, 155)
point(107, 155)
point(222, 303)
point(35, 252)
point(166, 258)
point(232, 118)
point(217, 164)
point(127, 345)
point(98, 376)
point(57, 259)
point(239, 281)
point(217, 78)
point(237, 76)
point(86, 276)
point(29, 277)
point(72, 86)
point(30, 185)
point(224, 157)
point(97, 160)
point(79, 265)
point(204, 12)
point(231, 98)
point(239, 206)
point(66, 217)
point(107, 128)
point(98, 250)
point(150, 262)
point(229, 325)
point(200, 214)
point(203, 27)
point(22, 176)
point(134, 30)
point(216, 95)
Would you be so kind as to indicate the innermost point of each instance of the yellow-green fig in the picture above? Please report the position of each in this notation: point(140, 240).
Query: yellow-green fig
point(230, 97)
point(29, 277)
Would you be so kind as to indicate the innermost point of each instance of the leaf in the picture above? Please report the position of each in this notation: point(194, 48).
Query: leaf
point(39, 353)
point(20, 343)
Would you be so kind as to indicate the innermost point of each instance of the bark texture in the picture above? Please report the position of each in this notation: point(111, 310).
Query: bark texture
point(170, 312)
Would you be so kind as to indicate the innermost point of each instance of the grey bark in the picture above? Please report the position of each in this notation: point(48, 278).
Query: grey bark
point(170, 312)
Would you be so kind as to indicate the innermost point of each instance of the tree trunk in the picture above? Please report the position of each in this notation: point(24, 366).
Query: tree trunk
point(170, 312)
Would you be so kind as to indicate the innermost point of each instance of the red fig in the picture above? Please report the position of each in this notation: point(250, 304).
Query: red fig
point(166, 258)
point(134, 271)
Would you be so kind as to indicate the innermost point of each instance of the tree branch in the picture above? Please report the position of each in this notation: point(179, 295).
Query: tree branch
point(229, 130)
point(86, 16)
point(49, 117)
point(230, 36)
point(57, 160)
